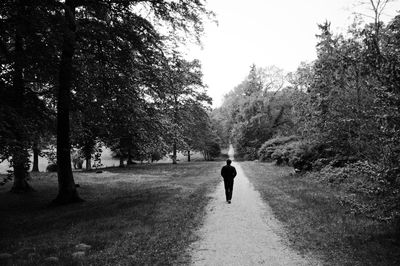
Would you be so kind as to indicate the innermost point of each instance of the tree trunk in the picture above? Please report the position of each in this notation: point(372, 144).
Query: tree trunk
point(36, 150)
point(121, 161)
point(174, 153)
point(67, 192)
point(20, 184)
point(188, 155)
point(89, 163)
point(20, 156)
point(121, 154)
point(129, 160)
point(174, 161)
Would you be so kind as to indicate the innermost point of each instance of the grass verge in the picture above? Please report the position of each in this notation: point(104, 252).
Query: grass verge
point(317, 222)
point(144, 215)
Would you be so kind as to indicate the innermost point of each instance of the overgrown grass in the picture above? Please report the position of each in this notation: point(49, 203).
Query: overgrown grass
point(144, 215)
point(316, 220)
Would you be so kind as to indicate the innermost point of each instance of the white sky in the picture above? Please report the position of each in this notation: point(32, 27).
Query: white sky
point(266, 32)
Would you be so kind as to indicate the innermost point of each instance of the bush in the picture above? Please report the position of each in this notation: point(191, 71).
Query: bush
point(250, 154)
point(211, 150)
point(156, 156)
point(361, 176)
point(52, 168)
point(269, 147)
point(289, 151)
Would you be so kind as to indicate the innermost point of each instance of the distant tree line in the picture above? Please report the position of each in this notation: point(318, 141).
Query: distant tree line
point(92, 73)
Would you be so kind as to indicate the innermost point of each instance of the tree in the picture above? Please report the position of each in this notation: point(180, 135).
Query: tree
point(24, 112)
point(301, 115)
point(199, 132)
point(386, 86)
point(184, 79)
point(184, 15)
point(256, 109)
point(346, 102)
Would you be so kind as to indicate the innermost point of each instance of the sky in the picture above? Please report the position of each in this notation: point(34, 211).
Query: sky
point(266, 32)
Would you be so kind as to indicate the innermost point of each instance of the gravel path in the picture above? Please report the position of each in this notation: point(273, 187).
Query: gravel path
point(244, 232)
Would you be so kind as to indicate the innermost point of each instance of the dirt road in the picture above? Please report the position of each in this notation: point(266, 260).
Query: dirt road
point(244, 232)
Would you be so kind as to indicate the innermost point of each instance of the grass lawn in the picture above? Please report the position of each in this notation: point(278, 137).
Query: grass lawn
point(316, 220)
point(143, 215)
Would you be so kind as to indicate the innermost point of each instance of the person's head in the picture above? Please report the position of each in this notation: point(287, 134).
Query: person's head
point(228, 162)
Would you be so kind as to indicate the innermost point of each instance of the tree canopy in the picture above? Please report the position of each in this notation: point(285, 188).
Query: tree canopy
point(106, 71)
point(342, 105)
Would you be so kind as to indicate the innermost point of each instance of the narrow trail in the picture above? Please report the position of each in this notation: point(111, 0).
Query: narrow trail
point(244, 232)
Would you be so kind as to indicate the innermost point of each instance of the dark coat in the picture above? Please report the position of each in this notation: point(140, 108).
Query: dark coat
point(228, 172)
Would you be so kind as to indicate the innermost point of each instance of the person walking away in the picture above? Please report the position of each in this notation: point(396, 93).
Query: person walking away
point(228, 172)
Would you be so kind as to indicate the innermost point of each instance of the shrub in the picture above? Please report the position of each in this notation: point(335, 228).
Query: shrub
point(289, 151)
point(361, 176)
point(211, 150)
point(280, 141)
point(250, 154)
point(156, 156)
point(52, 167)
point(269, 147)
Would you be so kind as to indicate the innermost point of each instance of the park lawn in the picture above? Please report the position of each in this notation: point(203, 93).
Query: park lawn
point(316, 221)
point(142, 215)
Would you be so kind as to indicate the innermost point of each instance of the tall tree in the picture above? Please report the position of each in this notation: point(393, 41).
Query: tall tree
point(182, 16)
point(184, 79)
point(22, 79)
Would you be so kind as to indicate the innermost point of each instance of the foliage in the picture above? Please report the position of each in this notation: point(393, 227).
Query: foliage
point(211, 150)
point(346, 106)
point(185, 104)
point(24, 114)
point(106, 65)
point(268, 148)
point(343, 107)
point(288, 151)
point(51, 154)
point(256, 110)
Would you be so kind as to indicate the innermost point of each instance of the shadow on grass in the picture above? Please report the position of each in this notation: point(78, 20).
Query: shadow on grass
point(144, 215)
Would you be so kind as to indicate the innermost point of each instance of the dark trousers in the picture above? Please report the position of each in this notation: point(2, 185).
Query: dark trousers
point(228, 188)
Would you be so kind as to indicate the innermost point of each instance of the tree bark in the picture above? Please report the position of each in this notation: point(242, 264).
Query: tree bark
point(67, 192)
point(174, 153)
point(20, 184)
point(20, 158)
point(121, 154)
point(89, 163)
point(174, 161)
point(129, 160)
point(121, 162)
point(188, 155)
point(36, 150)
